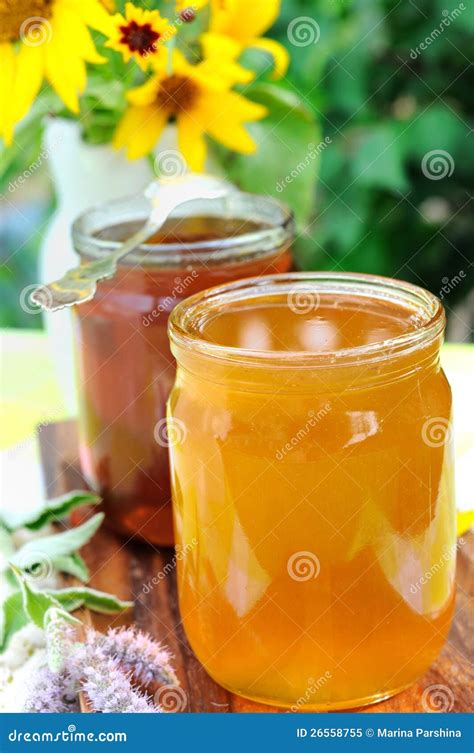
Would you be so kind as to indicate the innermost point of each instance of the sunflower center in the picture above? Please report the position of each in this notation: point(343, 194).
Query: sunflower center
point(20, 18)
point(140, 39)
point(177, 93)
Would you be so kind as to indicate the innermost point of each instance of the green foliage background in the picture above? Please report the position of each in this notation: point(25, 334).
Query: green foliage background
point(365, 204)
point(384, 111)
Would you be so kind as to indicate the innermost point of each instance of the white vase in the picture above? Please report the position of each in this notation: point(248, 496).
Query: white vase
point(83, 175)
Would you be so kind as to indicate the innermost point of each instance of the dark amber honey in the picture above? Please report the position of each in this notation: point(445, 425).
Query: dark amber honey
point(126, 370)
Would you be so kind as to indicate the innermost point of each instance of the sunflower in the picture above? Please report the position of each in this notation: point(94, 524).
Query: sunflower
point(45, 39)
point(244, 21)
point(193, 5)
point(141, 34)
point(201, 103)
point(222, 52)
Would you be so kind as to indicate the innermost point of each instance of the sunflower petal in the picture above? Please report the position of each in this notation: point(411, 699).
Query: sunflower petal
point(235, 138)
point(65, 54)
point(220, 55)
point(222, 115)
point(234, 73)
point(146, 93)
point(28, 78)
point(219, 45)
point(191, 142)
point(194, 4)
point(225, 73)
point(278, 52)
point(139, 130)
point(7, 74)
point(243, 19)
point(82, 38)
point(133, 13)
point(93, 14)
point(234, 105)
point(154, 18)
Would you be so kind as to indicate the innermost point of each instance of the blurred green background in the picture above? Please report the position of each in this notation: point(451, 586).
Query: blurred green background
point(365, 204)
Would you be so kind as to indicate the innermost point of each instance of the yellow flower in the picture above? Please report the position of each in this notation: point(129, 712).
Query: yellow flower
point(141, 34)
point(192, 4)
point(245, 21)
point(45, 39)
point(220, 54)
point(199, 101)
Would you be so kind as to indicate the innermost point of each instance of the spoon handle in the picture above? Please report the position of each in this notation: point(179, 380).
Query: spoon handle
point(79, 284)
point(159, 214)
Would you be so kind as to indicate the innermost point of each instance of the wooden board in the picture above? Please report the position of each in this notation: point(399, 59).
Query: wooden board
point(124, 567)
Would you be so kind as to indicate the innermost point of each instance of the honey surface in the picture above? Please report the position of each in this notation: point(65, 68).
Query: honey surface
point(331, 323)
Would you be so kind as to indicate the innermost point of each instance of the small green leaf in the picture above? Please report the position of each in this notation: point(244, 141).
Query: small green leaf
point(35, 603)
point(57, 639)
point(12, 618)
point(58, 615)
point(72, 564)
point(49, 548)
point(51, 511)
point(99, 601)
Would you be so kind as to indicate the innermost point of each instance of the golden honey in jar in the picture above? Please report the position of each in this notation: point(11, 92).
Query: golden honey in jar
point(125, 366)
point(312, 479)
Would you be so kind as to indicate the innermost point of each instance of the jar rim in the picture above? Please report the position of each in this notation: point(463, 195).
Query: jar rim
point(276, 232)
point(428, 318)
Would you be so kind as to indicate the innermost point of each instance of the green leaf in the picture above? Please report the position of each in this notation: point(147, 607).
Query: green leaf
point(19, 157)
point(285, 164)
point(346, 84)
point(338, 230)
point(56, 615)
point(52, 510)
point(35, 603)
point(57, 640)
point(377, 159)
point(437, 128)
point(49, 548)
point(72, 564)
point(463, 22)
point(107, 94)
point(13, 617)
point(99, 601)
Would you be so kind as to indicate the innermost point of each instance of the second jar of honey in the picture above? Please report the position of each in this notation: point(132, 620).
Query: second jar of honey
point(125, 366)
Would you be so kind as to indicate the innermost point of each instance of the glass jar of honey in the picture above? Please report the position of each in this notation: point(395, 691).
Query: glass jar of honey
point(312, 479)
point(125, 366)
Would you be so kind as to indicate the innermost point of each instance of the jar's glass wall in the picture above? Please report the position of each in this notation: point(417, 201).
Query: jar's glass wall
point(316, 517)
point(125, 366)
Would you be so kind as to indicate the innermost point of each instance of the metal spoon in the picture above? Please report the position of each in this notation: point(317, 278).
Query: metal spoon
point(165, 195)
